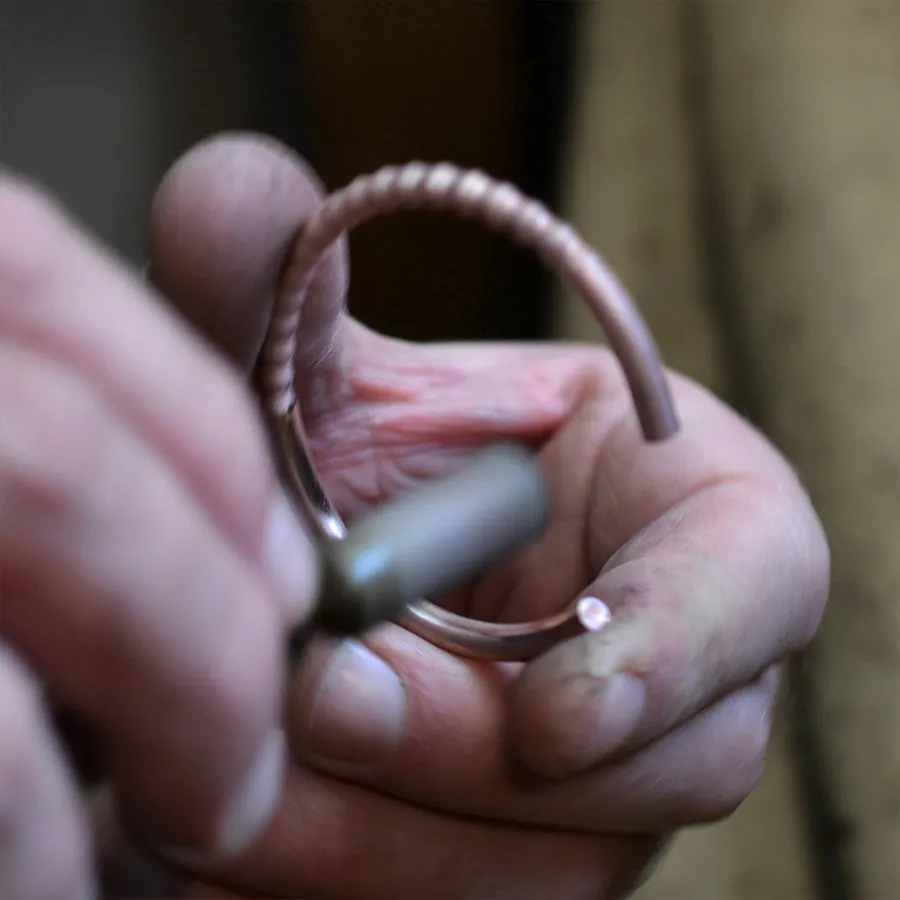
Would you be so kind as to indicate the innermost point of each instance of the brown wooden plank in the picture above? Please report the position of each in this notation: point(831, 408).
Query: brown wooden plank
point(394, 80)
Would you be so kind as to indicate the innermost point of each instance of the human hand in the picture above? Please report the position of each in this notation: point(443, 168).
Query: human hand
point(419, 774)
point(145, 588)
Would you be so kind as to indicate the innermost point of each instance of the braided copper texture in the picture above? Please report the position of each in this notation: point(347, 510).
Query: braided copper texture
point(474, 195)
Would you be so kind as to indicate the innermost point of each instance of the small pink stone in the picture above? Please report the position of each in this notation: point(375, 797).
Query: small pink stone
point(593, 613)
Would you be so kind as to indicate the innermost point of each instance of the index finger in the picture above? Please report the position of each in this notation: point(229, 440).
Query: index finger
point(144, 580)
point(727, 580)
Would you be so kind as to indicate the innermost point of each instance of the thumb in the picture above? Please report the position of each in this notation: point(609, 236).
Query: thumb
point(222, 224)
point(714, 593)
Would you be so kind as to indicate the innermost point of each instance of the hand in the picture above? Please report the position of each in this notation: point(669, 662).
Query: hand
point(418, 774)
point(145, 588)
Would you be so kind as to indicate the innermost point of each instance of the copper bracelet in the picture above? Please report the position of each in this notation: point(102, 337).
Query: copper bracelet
point(474, 195)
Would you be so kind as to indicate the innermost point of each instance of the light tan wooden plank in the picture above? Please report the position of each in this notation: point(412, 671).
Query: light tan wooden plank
point(633, 193)
point(806, 116)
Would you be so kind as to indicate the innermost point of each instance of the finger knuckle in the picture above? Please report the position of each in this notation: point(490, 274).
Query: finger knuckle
point(30, 245)
point(241, 447)
point(55, 441)
point(227, 400)
point(238, 692)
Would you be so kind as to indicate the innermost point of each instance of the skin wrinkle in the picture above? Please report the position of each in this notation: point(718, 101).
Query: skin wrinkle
point(362, 441)
point(609, 551)
point(675, 566)
point(405, 429)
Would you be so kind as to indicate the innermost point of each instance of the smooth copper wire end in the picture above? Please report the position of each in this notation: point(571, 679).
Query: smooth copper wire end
point(593, 613)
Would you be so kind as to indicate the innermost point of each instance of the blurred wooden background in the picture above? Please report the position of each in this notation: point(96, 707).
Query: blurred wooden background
point(738, 163)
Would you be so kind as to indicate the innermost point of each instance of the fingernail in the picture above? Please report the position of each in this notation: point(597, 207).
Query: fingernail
point(357, 715)
point(246, 815)
point(256, 799)
point(618, 711)
point(291, 559)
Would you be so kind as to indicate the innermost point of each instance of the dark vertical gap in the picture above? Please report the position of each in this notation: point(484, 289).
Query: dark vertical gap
point(277, 72)
point(308, 133)
point(825, 829)
point(230, 66)
point(546, 39)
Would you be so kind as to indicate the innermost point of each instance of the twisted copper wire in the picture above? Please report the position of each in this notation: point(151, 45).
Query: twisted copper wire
point(474, 195)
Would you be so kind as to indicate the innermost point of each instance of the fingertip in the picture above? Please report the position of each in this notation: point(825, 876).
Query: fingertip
point(221, 224)
point(577, 705)
point(261, 167)
point(357, 720)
